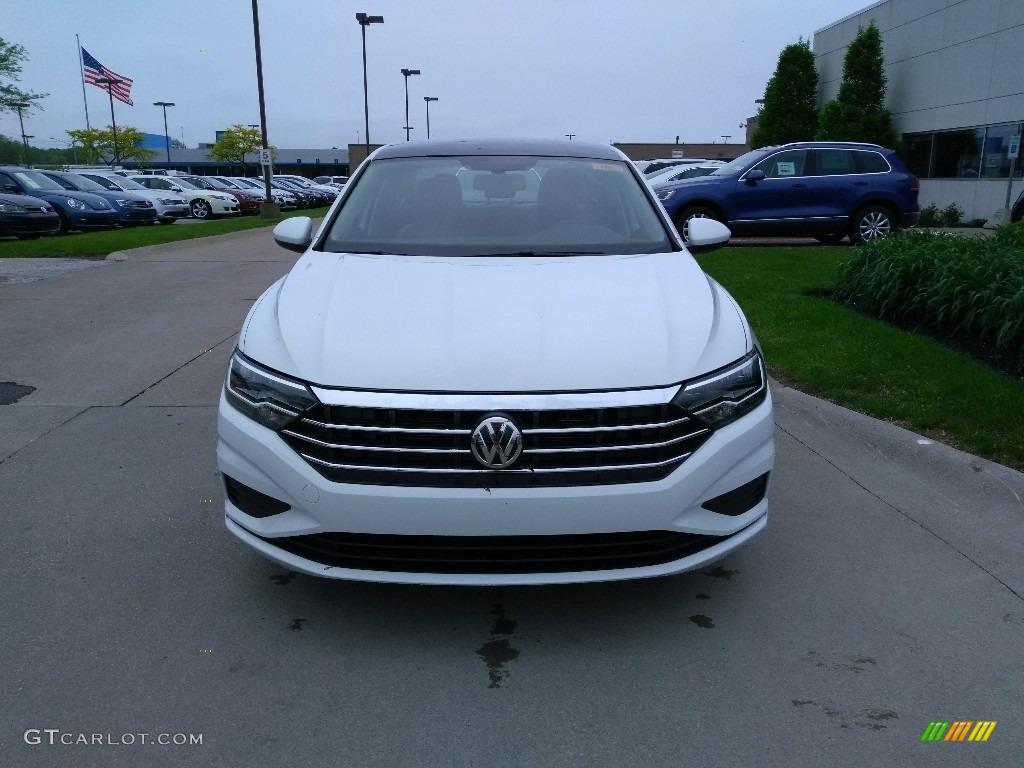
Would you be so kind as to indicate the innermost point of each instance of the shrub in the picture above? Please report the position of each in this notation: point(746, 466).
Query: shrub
point(929, 216)
point(943, 282)
point(951, 215)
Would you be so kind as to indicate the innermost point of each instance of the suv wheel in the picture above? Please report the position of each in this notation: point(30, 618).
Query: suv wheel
point(693, 212)
point(871, 223)
point(201, 209)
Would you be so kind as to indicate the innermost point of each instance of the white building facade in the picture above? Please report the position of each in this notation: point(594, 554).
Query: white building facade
point(955, 71)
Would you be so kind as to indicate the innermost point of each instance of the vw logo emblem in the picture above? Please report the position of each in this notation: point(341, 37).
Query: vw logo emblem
point(496, 442)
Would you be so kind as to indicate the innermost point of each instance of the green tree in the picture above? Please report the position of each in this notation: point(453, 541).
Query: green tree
point(11, 57)
point(858, 111)
point(790, 109)
point(237, 142)
point(97, 145)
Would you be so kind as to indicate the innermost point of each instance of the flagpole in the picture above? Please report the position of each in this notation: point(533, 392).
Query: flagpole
point(81, 71)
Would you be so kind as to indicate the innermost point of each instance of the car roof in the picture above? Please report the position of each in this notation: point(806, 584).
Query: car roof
point(541, 147)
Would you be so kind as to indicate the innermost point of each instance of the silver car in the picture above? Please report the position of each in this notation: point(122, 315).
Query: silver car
point(169, 207)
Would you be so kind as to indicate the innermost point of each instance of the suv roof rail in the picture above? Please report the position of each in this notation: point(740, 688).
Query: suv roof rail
point(842, 143)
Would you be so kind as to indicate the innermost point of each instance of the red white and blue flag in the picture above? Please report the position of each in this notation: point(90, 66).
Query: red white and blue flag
point(94, 72)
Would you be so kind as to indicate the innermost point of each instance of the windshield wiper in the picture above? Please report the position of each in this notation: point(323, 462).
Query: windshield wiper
point(540, 253)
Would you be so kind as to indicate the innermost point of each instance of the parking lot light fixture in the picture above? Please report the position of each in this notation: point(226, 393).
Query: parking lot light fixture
point(406, 73)
point(428, 99)
point(167, 136)
point(366, 20)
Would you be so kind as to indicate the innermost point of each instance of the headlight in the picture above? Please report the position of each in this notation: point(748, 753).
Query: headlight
point(727, 394)
point(78, 205)
point(267, 398)
point(123, 203)
point(12, 208)
point(665, 194)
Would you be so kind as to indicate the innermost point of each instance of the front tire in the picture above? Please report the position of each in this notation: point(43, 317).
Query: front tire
point(682, 218)
point(65, 225)
point(201, 209)
point(871, 223)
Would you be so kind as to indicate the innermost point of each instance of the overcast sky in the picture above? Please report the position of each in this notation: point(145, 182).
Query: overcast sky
point(626, 71)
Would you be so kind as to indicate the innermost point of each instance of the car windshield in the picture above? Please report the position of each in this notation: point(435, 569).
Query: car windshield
point(497, 205)
point(36, 180)
point(82, 183)
point(186, 184)
point(740, 163)
point(121, 183)
point(227, 182)
point(198, 183)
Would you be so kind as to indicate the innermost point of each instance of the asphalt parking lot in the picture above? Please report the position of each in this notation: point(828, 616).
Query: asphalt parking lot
point(887, 591)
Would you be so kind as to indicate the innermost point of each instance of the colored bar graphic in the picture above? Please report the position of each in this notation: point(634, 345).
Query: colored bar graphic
point(982, 730)
point(959, 730)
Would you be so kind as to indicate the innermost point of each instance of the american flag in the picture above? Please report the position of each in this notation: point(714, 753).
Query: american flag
point(95, 71)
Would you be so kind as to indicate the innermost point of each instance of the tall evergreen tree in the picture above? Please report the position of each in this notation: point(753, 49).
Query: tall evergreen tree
point(858, 112)
point(790, 111)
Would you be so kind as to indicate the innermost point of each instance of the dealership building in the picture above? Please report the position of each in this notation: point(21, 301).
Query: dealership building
point(955, 71)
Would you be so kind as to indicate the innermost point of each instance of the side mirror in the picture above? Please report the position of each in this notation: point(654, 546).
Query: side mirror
point(706, 235)
point(754, 176)
point(295, 233)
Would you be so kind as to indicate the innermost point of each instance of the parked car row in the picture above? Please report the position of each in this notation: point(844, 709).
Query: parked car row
point(41, 202)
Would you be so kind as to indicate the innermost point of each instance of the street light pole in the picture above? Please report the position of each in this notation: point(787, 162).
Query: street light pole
point(110, 82)
point(167, 138)
point(364, 21)
point(569, 136)
point(24, 138)
point(268, 208)
point(428, 99)
point(406, 73)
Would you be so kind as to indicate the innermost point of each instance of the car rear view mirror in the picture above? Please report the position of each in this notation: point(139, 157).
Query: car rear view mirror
point(754, 176)
point(295, 233)
point(706, 235)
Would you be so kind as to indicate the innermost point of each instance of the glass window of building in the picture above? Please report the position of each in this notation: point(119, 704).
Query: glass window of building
point(958, 154)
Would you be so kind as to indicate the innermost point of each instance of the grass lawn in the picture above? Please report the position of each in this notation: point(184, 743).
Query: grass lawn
point(864, 364)
point(110, 240)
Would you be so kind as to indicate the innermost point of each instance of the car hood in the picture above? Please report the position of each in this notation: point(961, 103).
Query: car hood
point(696, 181)
point(23, 200)
point(494, 324)
point(93, 201)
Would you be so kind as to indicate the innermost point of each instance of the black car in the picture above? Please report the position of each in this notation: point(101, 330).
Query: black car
point(1018, 208)
point(132, 210)
point(77, 210)
point(305, 199)
point(824, 189)
point(27, 217)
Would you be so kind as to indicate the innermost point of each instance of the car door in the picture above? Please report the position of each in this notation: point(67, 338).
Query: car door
point(837, 183)
point(777, 203)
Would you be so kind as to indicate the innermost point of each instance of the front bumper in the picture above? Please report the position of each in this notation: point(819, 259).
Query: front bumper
point(136, 216)
point(258, 458)
point(34, 223)
point(167, 213)
point(91, 219)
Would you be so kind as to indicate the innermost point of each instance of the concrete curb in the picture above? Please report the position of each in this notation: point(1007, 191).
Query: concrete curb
point(150, 250)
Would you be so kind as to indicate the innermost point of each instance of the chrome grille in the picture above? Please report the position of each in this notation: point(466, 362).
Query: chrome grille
point(561, 447)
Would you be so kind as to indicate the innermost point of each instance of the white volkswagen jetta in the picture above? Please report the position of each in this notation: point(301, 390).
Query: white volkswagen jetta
point(495, 363)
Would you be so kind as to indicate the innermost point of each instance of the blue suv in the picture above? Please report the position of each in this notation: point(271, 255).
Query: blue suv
point(825, 189)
